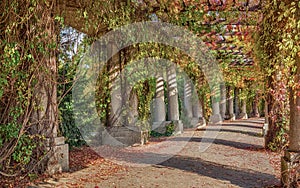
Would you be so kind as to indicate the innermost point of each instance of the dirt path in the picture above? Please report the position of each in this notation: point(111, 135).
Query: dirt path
point(235, 158)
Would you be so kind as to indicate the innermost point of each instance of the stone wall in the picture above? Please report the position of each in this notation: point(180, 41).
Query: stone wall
point(124, 136)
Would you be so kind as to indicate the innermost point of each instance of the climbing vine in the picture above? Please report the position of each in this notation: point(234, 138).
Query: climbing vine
point(277, 48)
point(29, 72)
point(27, 56)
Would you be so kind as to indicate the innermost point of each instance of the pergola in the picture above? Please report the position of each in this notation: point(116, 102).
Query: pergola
point(237, 20)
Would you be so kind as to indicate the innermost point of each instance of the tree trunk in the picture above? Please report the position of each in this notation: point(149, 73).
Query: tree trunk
point(294, 132)
point(272, 129)
point(45, 116)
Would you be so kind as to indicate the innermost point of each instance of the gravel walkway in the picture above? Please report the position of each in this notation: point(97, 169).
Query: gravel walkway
point(234, 158)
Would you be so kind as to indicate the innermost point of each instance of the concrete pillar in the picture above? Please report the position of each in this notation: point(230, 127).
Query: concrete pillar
point(159, 107)
point(223, 100)
point(116, 107)
point(231, 104)
point(216, 116)
point(159, 103)
point(236, 102)
point(266, 124)
point(120, 104)
point(116, 90)
point(133, 109)
point(255, 111)
point(59, 156)
point(173, 110)
point(198, 113)
point(120, 89)
point(173, 107)
point(215, 102)
point(243, 114)
point(196, 109)
point(188, 99)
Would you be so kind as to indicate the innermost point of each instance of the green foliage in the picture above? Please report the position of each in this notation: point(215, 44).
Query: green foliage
point(28, 41)
point(170, 128)
point(103, 97)
point(25, 148)
point(68, 127)
point(68, 61)
point(145, 92)
point(277, 49)
point(32, 176)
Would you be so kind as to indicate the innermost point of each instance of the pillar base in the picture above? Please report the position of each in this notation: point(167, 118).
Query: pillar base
point(257, 115)
point(202, 122)
point(160, 127)
point(231, 117)
point(216, 118)
point(193, 122)
point(243, 116)
point(265, 129)
point(290, 172)
point(223, 115)
point(178, 127)
point(58, 160)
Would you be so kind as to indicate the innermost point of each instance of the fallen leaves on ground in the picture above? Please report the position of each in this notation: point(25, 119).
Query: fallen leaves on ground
point(80, 159)
point(275, 161)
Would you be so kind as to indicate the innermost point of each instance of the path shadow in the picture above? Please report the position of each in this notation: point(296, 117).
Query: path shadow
point(234, 175)
point(238, 145)
point(234, 131)
point(256, 121)
point(237, 176)
point(242, 125)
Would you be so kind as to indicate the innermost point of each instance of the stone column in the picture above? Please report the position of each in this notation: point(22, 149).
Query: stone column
point(216, 117)
point(115, 87)
point(159, 103)
point(116, 107)
point(215, 101)
point(198, 113)
point(266, 124)
point(120, 89)
point(173, 107)
point(255, 106)
point(159, 107)
point(223, 100)
point(133, 109)
point(231, 104)
point(188, 99)
point(236, 102)
point(243, 114)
